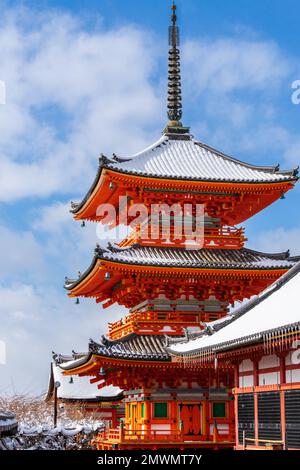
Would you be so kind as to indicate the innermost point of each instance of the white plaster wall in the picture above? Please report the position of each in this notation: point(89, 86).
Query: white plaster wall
point(246, 365)
point(272, 378)
point(269, 361)
point(288, 359)
point(222, 428)
point(295, 375)
point(161, 429)
point(246, 381)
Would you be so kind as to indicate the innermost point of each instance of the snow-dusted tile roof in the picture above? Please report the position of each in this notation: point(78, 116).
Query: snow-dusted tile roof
point(133, 347)
point(276, 307)
point(144, 347)
point(190, 259)
point(201, 258)
point(189, 159)
point(80, 388)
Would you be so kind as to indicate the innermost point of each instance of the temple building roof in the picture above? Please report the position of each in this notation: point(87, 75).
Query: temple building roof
point(273, 312)
point(200, 258)
point(183, 158)
point(79, 388)
point(189, 259)
point(189, 159)
point(132, 347)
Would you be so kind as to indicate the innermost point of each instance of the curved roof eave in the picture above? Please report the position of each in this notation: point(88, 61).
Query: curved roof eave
point(115, 164)
point(70, 284)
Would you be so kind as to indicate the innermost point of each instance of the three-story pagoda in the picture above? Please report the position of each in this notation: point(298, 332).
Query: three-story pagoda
point(170, 284)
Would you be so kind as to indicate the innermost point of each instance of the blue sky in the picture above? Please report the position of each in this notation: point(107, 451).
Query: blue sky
point(89, 77)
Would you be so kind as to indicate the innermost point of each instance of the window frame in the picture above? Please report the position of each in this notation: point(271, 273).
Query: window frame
point(167, 409)
point(218, 403)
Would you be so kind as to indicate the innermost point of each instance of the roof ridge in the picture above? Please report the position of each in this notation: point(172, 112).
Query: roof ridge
point(161, 140)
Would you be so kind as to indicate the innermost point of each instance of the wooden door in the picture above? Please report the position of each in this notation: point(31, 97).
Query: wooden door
point(134, 416)
point(191, 416)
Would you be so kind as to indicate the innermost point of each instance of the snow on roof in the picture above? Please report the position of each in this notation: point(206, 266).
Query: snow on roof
point(81, 388)
point(276, 307)
point(218, 258)
point(194, 160)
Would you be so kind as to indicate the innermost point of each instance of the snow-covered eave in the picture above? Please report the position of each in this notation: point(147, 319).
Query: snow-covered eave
point(76, 207)
point(288, 176)
point(115, 164)
point(110, 254)
point(70, 365)
point(236, 343)
point(264, 168)
point(80, 390)
point(106, 163)
point(70, 284)
point(96, 399)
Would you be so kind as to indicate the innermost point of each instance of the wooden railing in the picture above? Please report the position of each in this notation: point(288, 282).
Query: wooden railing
point(221, 237)
point(267, 444)
point(155, 321)
point(123, 435)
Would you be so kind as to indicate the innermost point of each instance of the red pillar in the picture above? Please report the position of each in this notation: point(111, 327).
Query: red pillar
point(236, 376)
point(282, 412)
point(236, 397)
point(207, 418)
point(282, 369)
point(255, 383)
point(114, 420)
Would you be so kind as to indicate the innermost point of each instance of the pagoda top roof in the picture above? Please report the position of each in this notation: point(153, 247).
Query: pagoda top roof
point(177, 156)
point(185, 159)
point(131, 347)
point(181, 158)
point(273, 312)
point(204, 258)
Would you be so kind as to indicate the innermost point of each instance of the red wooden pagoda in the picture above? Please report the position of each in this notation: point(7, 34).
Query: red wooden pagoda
point(170, 285)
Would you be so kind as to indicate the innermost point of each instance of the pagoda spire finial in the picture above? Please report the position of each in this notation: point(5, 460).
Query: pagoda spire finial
point(174, 125)
point(174, 78)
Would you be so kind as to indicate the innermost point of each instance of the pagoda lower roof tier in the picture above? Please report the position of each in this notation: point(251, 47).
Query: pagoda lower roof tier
point(176, 166)
point(137, 348)
point(201, 258)
point(133, 362)
point(132, 275)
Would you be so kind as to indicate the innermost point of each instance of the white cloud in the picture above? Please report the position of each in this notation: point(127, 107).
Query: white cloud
point(279, 239)
point(292, 151)
point(52, 219)
point(93, 85)
point(21, 256)
point(67, 244)
point(36, 320)
point(234, 87)
point(72, 94)
point(224, 65)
